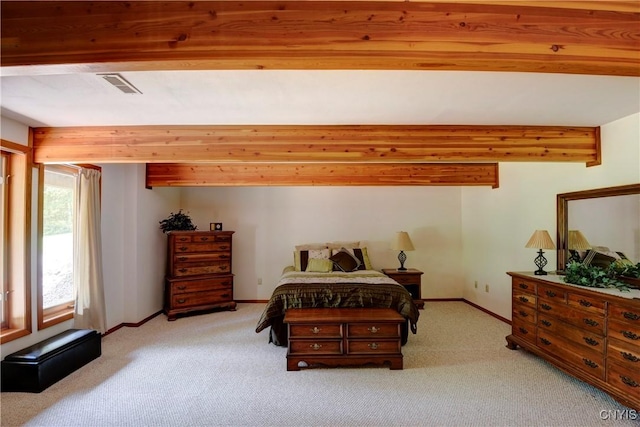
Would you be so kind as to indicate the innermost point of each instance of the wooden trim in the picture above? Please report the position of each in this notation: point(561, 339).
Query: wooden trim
point(598, 147)
point(132, 325)
point(320, 174)
point(490, 313)
point(583, 37)
point(340, 143)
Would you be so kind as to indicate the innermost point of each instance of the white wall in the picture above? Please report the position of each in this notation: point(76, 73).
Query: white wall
point(14, 131)
point(496, 224)
point(269, 221)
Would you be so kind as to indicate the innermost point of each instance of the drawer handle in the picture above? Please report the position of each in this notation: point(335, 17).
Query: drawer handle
point(524, 299)
point(631, 316)
point(224, 256)
point(546, 306)
point(182, 287)
point(523, 330)
point(181, 301)
point(225, 295)
point(628, 381)
point(591, 341)
point(183, 248)
point(585, 303)
point(631, 335)
point(524, 286)
point(630, 356)
point(373, 346)
point(316, 330)
point(591, 322)
point(182, 270)
point(523, 313)
point(183, 239)
point(224, 247)
point(182, 258)
point(545, 341)
point(315, 346)
point(204, 239)
point(546, 323)
point(551, 294)
point(590, 364)
point(373, 330)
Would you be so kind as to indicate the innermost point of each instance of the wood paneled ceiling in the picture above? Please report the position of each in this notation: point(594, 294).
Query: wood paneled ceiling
point(570, 37)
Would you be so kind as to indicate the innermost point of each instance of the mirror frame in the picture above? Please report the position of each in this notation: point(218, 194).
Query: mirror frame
point(562, 213)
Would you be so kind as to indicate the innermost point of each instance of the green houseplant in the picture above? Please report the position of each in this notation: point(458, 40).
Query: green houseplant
point(598, 277)
point(177, 221)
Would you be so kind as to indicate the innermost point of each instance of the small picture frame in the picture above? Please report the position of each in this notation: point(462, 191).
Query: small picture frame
point(215, 226)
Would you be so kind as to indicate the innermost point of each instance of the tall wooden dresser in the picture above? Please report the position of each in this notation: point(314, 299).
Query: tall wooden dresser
point(199, 275)
point(592, 334)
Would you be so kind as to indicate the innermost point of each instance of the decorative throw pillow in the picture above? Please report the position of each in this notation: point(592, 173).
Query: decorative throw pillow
point(363, 256)
point(301, 258)
point(343, 260)
point(308, 246)
point(318, 265)
point(599, 259)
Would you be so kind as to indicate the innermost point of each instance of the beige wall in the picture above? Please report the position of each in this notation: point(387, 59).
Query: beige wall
point(496, 224)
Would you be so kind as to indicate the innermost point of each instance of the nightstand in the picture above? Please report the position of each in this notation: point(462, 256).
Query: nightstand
point(410, 279)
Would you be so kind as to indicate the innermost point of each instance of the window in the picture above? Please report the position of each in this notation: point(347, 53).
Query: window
point(4, 228)
point(15, 189)
point(56, 293)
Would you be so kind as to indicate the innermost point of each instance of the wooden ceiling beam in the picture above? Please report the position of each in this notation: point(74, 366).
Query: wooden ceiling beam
point(321, 174)
point(582, 37)
point(356, 143)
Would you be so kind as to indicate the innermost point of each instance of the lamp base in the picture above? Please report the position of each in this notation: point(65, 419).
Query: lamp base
point(402, 257)
point(540, 262)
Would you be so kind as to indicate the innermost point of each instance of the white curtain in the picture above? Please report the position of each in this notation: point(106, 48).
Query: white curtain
point(90, 312)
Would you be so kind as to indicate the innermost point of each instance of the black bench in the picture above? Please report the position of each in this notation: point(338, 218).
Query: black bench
point(35, 368)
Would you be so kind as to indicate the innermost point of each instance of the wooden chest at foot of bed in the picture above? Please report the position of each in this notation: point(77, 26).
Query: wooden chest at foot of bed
point(343, 337)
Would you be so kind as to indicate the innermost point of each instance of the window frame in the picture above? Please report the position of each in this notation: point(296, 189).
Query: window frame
point(18, 267)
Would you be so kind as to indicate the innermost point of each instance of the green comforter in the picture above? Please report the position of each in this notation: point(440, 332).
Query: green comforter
point(363, 288)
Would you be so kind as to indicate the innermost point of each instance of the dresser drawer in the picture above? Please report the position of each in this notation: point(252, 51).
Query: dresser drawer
point(524, 299)
point(592, 322)
point(373, 330)
point(372, 347)
point(552, 293)
point(624, 314)
point(201, 298)
point(584, 359)
point(624, 379)
point(212, 238)
point(180, 247)
point(407, 278)
point(624, 354)
point(523, 285)
point(524, 330)
point(201, 257)
point(585, 303)
point(315, 331)
point(185, 286)
point(524, 313)
point(315, 347)
point(624, 331)
point(217, 267)
point(573, 333)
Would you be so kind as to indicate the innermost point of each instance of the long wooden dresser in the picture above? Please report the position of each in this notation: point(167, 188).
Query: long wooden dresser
point(199, 275)
point(590, 333)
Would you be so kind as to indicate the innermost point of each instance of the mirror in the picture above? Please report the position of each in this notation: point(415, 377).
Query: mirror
point(606, 216)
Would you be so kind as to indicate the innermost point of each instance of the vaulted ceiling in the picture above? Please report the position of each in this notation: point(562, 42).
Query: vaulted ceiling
point(298, 88)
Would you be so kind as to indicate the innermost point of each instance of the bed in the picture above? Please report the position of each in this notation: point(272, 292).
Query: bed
point(337, 289)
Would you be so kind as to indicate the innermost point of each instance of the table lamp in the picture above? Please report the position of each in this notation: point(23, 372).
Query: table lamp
point(540, 240)
point(402, 242)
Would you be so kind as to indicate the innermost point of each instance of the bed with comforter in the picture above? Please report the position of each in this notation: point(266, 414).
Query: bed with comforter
point(337, 289)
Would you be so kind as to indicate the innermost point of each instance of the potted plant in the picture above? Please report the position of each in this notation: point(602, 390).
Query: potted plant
point(613, 276)
point(177, 221)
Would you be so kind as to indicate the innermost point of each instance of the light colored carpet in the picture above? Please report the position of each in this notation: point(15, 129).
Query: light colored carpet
point(213, 369)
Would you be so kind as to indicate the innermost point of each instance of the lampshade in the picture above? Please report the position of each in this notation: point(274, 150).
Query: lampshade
point(577, 241)
point(540, 240)
point(402, 242)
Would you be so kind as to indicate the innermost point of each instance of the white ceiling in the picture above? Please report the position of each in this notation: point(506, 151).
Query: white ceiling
point(321, 97)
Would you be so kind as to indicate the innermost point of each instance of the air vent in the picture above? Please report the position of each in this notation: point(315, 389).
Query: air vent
point(121, 83)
